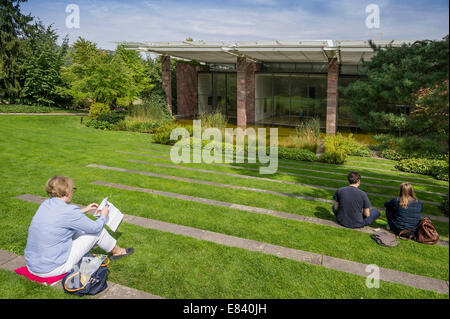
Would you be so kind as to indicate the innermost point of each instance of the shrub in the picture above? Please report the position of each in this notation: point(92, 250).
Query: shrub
point(334, 157)
point(436, 168)
point(391, 154)
point(307, 135)
point(445, 206)
point(336, 149)
point(97, 109)
point(308, 142)
point(111, 117)
point(214, 119)
point(415, 165)
point(102, 125)
point(162, 133)
point(152, 109)
point(397, 148)
point(133, 125)
point(145, 117)
point(439, 169)
point(296, 154)
point(362, 151)
point(311, 126)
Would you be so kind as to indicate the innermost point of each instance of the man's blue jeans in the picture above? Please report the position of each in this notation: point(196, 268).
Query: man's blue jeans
point(374, 214)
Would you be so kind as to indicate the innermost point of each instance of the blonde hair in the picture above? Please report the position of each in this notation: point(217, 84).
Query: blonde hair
point(405, 194)
point(59, 186)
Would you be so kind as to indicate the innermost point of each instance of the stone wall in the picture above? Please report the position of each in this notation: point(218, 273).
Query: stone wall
point(332, 96)
point(241, 77)
point(187, 88)
point(166, 80)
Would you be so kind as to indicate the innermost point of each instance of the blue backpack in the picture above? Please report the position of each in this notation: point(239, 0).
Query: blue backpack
point(97, 282)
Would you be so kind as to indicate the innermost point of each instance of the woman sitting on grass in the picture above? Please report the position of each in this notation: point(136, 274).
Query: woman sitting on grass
point(60, 234)
point(403, 213)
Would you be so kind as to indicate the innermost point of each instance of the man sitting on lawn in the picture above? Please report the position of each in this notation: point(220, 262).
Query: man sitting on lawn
point(352, 206)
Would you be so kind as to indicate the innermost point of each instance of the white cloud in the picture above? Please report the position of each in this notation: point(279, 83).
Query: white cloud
point(150, 20)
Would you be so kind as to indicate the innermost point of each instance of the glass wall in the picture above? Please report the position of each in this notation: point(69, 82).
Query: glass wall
point(288, 98)
point(344, 107)
point(285, 94)
point(217, 91)
point(281, 98)
point(263, 98)
point(204, 92)
point(231, 105)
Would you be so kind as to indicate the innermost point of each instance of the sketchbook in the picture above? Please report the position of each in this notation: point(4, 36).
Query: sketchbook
point(114, 217)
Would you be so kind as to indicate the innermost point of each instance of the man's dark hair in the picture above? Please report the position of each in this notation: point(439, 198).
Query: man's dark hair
point(353, 177)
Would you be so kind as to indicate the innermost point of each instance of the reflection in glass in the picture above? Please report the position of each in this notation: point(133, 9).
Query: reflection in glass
point(281, 98)
point(205, 100)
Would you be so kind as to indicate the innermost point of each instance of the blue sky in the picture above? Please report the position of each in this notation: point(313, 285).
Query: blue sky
point(109, 21)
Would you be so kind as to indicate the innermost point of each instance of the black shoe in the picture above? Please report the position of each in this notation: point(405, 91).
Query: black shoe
point(129, 251)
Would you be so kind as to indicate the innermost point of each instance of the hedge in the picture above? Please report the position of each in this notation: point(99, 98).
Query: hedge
point(436, 168)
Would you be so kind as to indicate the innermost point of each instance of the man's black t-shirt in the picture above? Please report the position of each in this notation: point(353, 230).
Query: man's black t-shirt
point(351, 201)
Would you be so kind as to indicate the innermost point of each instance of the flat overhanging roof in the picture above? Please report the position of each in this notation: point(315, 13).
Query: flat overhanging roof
point(347, 51)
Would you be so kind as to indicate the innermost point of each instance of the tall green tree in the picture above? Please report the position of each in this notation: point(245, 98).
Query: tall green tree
point(154, 73)
point(96, 75)
point(133, 60)
point(395, 76)
point(14, 27)
point(41, 62)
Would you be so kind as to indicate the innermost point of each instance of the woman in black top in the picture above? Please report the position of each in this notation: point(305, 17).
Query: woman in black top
point(403, 212)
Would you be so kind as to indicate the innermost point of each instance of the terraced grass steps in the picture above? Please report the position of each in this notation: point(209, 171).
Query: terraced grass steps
point(299, 165)
point(256, 178)
point(367, 170)
point(371, 163)
point(245, 208)
point(178, 266)
point(10, 261)
point(197, 181)
point(342, 174)
point(389, 275)
point(282, 173)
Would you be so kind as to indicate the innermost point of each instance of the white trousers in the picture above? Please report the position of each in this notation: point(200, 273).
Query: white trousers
point(82, 243)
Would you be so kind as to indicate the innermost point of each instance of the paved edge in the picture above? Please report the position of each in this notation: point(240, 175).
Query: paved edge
point(356, 268)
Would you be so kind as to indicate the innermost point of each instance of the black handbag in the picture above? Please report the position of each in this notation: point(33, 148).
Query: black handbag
point(97, 282)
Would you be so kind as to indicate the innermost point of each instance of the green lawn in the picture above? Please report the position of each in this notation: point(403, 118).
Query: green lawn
point(35, 148)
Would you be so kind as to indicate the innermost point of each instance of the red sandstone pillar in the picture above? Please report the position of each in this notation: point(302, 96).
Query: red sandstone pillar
point(187, 90)
point(241, 77)
point(166, 80)
point(252, 67)
point(332, 96)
